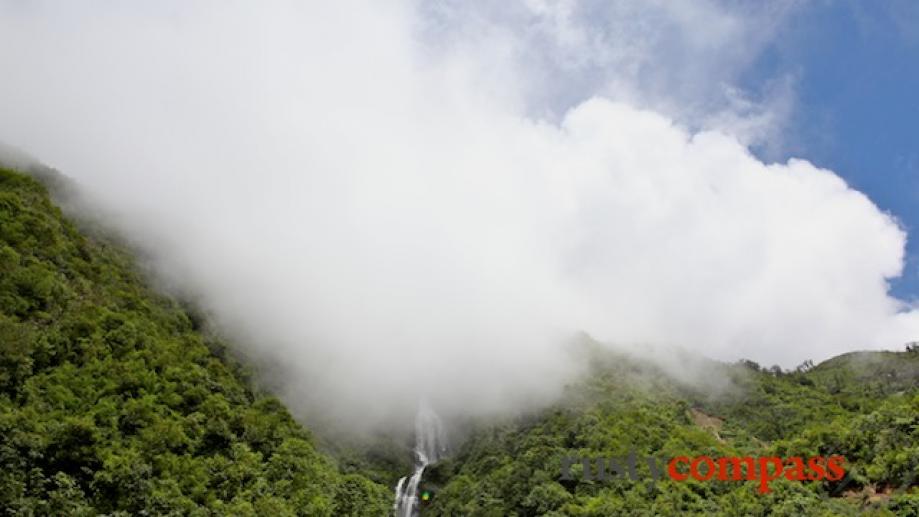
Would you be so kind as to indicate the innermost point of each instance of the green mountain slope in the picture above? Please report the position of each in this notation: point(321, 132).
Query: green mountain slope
point(112, 401)
point(841, 407)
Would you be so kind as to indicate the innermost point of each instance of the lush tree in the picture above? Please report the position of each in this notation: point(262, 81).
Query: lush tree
point(113, 401)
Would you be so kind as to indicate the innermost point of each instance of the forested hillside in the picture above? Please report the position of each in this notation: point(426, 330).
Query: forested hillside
point(112, 401)
point(863, 406)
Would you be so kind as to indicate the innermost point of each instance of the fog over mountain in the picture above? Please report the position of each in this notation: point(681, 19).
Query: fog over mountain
point(395, 198)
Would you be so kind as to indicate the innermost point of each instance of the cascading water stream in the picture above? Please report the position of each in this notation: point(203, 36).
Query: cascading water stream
point(430, 446)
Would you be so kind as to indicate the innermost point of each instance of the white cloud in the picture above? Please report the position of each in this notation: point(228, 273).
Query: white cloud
point(682, 58)
point(388, 215)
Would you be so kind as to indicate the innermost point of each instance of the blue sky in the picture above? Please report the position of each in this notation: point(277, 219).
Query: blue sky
point(856, 74)
point(501, 175)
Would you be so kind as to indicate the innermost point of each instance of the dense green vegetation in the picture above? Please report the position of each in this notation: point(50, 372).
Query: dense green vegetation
point(113, 401)
point(862, 406)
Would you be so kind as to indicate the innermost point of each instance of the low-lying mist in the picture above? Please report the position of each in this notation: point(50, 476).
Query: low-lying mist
point(387, 214)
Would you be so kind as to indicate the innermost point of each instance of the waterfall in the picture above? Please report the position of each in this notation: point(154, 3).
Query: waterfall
point(430, 446)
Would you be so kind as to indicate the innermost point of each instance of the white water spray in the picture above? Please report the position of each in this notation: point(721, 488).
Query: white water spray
point(430, 446)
